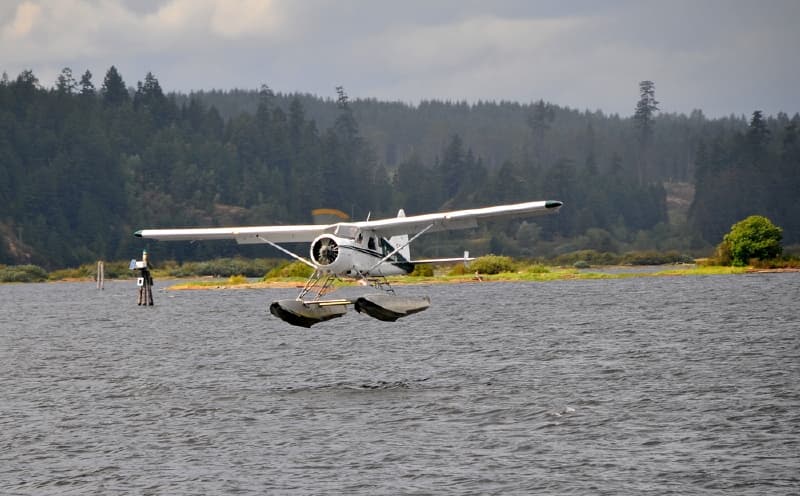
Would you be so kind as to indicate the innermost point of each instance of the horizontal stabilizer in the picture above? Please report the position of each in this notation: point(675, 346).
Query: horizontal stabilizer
point(466, 258)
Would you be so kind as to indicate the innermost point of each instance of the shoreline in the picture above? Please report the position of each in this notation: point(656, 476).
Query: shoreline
point(555, 275)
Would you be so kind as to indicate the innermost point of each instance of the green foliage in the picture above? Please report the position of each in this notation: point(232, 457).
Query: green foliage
point(289, 269)
point(655, 258)
point(591, 257)
point(752, 169)
point(493, 264)
point(536, 269)
point(111, 270)
point(754, 237)
point(784, 262)
point(645, 109)
point(22, 273)
point(221, 267)
point(422, 270)
point(238, 279)
point(458, 270)
point(80, 168)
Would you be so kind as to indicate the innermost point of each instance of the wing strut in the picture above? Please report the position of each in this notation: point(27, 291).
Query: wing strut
point(281, 248)
point(391, 253)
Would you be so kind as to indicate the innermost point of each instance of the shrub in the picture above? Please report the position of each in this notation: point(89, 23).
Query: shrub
point(23, 273)
point(222, 267)
point(290, 269)
point(423, 270)
point(754, 237)
point(239, 279)
point(591, 257)
point(62, 274)
point(537, 269)
point(655, 258)
point(458, 270)
point(492, 264)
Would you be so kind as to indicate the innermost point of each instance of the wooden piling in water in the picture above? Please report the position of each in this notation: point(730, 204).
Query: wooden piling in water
point(145, 281)
point(101, 276)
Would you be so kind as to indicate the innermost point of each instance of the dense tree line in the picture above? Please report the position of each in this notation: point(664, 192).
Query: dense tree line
point(753, 171)
point(83, 165)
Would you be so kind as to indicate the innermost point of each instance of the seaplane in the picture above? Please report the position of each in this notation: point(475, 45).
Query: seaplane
point(367, 251)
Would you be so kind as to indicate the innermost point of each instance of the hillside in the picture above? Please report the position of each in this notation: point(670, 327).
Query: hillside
point(82, 167)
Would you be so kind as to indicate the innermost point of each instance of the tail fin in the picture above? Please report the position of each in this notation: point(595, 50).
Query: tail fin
point(400, 240)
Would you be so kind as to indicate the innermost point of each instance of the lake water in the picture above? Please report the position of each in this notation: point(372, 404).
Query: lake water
point(670, 385)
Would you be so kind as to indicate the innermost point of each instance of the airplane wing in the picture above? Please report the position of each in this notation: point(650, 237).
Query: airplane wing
point(457, 219)
point(242, 235)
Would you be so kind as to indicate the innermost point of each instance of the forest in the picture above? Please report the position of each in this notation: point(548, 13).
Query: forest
point(85, 162)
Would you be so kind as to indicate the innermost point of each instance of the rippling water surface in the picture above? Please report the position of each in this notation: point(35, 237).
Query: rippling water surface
point(632, 386)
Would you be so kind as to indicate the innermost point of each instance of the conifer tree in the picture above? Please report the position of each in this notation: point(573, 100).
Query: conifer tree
point(87, 87)
point(114, 91)
point(644, 118)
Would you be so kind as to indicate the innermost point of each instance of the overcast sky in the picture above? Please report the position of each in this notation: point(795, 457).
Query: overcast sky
point(721, 56)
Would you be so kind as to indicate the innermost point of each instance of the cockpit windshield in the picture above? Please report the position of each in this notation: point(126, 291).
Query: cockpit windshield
point(348, 231)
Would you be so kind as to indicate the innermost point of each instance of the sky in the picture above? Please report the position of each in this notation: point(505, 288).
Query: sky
point(721, 56)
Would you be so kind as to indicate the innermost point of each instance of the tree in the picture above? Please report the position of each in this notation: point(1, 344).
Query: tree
point(645, 109)
point(452, 166)
point(757, 133)
point(114, 91)
point(150, 97)
point(754, 237)
point(539, 120)
point(644, 120)
point(65, 83)
point(87, 87)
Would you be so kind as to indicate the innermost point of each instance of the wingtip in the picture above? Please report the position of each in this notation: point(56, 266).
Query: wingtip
point(552, 204)
point(138, 234)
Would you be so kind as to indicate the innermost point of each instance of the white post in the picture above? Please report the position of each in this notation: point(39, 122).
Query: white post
point(101, 276)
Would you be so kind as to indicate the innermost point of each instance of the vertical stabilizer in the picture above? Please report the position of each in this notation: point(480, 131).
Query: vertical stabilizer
point(401, 240)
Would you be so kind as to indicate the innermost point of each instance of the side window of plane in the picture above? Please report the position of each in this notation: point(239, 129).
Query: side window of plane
point(371, 243)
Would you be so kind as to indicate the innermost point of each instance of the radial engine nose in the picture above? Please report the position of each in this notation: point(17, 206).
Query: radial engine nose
point(325, 250)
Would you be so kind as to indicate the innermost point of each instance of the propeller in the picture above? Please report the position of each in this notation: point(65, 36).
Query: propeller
point(326, 251)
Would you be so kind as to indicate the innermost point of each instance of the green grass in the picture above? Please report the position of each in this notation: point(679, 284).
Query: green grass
point(712, 270)
point(525, 274)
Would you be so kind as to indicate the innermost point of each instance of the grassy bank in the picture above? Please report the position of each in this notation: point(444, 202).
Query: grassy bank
point(235, 272)
point(552, 274)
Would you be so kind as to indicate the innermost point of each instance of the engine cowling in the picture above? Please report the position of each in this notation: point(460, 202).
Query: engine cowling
point(331, 255)
point(325, 250)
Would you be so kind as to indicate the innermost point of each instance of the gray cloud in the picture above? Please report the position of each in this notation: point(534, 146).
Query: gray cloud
point(720, 56)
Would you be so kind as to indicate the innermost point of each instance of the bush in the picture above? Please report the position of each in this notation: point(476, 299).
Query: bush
point(458, 270)
point(240, 279)
point(592, 257)
point(222, 267)
point(536, 269)
point(423, 270)
point(492, 264)
point(754, 237)
point(23, 273)
point(655, 258)
point(290, 269)
point(63, 274)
